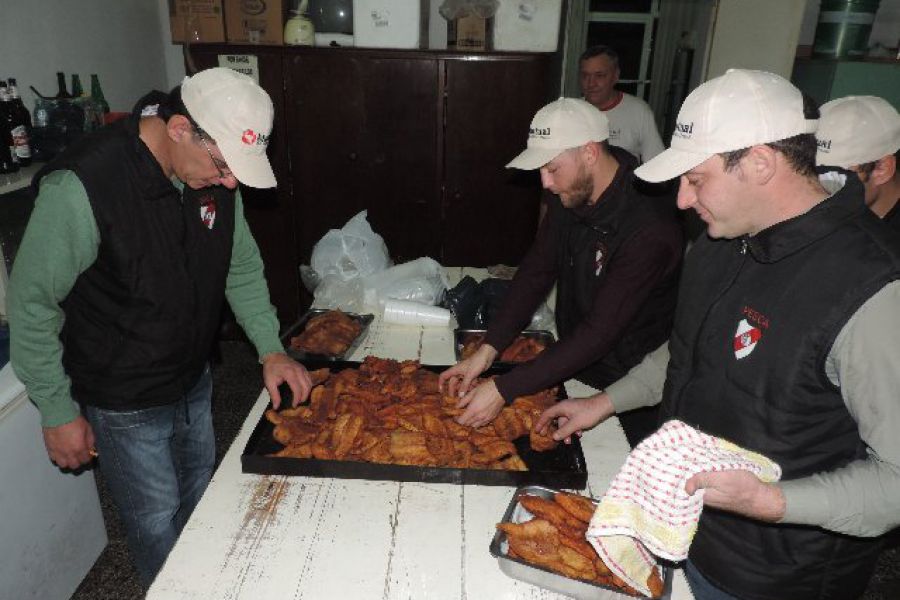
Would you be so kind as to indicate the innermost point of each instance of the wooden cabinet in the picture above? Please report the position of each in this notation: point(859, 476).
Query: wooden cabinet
point(417, 138)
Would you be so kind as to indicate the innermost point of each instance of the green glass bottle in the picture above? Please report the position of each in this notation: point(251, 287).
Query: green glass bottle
point(97, 93)
point(77, 91)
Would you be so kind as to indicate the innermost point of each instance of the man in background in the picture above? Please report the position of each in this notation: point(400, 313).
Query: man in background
point(614, 255)
point(631, 123)
point(862, 134)
point(136, 241)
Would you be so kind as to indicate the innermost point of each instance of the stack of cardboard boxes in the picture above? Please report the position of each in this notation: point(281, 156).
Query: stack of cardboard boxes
point(238, 21)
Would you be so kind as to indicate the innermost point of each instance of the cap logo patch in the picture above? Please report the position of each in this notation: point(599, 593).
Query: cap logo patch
point(541, 132)
point(823, 144)
point(684, 130)
point(249, 137)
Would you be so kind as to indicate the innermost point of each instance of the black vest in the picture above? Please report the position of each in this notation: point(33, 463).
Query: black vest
point(588, 240)
point(755, 322)
point(141, 320)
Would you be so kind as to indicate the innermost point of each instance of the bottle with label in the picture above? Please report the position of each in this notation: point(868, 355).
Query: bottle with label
point(8, 161)
point(9, 122)
point(97, 94)
point(24, 117)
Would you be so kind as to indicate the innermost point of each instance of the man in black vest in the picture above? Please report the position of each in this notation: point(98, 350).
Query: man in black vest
point(785, 343)
point(862, 134)
point(136, 240)
point(614, 255)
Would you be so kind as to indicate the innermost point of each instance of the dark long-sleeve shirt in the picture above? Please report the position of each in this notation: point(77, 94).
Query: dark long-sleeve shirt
point(644, 260)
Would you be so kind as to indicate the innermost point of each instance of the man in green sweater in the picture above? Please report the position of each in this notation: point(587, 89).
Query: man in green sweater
point(136, 241)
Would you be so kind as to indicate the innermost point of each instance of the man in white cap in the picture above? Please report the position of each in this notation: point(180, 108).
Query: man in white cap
point(614, 255)
point(785, 342)
point(136, 240)
point(862, 134)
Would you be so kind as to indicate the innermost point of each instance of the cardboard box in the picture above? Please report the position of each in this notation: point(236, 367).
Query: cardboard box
point(469, 34)
point(527, 27)
point(255, 21)
point(197, 21)
point(390, 23)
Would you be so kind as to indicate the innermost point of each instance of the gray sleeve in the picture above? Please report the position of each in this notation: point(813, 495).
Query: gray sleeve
point(862, 498)
point(643, 385)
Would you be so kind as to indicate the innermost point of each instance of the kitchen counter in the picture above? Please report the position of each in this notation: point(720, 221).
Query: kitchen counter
point(271, 536)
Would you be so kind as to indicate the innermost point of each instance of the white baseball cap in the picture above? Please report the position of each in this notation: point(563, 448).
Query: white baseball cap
point(237, 114)
point(737, 110)
point(562, 124)
point(856, 130)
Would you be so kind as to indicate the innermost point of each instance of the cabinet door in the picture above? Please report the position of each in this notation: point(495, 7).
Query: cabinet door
point(363, 134)
point(269, 212)
point(490, 212)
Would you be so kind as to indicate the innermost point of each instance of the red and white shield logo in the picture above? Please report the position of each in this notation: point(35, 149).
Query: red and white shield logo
point(745, 339)
point(249, 137)
point(208, 213)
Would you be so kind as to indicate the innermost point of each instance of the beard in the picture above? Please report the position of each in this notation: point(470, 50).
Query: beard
point(580, 192)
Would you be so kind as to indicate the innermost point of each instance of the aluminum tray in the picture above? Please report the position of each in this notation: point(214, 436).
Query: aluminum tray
point(460, 335)
point(564, 466)
point(541, 577)
point(299, 326)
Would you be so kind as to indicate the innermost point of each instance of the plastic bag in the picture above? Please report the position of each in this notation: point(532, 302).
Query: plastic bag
point(475, 304)
point(421, 280)
point(352, 251)
point(334, 292)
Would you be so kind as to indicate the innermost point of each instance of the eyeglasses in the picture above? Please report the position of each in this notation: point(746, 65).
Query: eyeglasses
point(220, 165)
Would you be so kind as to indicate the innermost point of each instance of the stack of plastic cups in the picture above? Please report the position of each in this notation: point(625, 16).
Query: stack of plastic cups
point(404, 312)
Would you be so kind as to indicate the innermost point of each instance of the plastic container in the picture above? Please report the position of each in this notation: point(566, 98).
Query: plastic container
point(844, 28)
point(403, 312)
point(389, 23)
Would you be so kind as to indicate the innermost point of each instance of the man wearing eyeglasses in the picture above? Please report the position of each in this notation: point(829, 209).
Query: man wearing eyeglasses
point(136, 240)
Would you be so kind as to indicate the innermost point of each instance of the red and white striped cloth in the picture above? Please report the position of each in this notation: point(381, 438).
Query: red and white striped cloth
point(646, 512)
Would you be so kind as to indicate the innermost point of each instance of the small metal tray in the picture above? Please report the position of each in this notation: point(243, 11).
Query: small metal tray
point(461, 336)
point(564, 466)
point(541, 577)
point(298, 327)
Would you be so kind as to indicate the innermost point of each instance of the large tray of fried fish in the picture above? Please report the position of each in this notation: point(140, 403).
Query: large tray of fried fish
point(381, 419)
point(541, 540)
point(322, 334)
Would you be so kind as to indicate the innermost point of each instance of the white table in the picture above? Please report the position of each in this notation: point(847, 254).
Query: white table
point(279, 537)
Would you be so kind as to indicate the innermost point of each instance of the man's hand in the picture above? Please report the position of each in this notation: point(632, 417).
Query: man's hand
point(482, 405)
point(460, 376)
point(739, 492)
point(574, 416)
point(70, 445)
point(280, 368)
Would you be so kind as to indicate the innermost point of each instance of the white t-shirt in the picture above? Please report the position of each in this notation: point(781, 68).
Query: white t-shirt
point(631, 126)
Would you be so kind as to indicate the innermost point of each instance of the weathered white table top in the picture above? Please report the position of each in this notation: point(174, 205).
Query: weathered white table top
point(279, 537)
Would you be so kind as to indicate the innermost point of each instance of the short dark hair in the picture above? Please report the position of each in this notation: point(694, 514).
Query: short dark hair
point(600, 50)
point(799, 150)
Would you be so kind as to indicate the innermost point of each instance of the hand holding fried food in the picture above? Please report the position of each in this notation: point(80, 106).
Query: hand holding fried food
point(522, 349)
point(555, 539)
point(393, 412)
point(330, 334)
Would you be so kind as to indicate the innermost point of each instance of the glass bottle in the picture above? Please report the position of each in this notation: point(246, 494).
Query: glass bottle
point(97, 93)
point(8, 161)
point(77, 92)
point(22, 115)
point(61, 84)
point(12, 120)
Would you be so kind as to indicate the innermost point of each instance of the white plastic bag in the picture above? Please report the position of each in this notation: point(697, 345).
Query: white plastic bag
point(352, 251)
point(421, 280)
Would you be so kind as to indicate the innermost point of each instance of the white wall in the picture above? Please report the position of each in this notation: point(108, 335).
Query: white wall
point(885, 30)
point(125, 42)
point(768, 46)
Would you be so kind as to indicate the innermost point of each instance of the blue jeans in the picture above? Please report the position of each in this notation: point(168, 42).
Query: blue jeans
point(701, 587)
point(156, 463)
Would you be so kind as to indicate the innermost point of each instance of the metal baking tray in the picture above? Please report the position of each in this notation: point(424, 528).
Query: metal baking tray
point(541, 577)
point(460, 336)
point(564, 466)
point(299, 326)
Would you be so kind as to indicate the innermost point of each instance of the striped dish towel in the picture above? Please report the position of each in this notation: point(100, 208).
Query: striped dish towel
point(646, 512)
